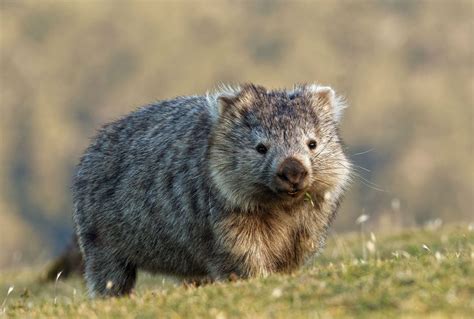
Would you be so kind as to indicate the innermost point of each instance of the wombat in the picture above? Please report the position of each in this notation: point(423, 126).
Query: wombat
point(240, 182)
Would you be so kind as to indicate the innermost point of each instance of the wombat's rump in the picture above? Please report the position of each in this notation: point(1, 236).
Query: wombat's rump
point(243, 181)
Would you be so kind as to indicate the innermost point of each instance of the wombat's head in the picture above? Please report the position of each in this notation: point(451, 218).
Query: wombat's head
point(277, 147)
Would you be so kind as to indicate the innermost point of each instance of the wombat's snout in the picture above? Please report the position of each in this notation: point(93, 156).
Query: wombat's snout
point(291, 176)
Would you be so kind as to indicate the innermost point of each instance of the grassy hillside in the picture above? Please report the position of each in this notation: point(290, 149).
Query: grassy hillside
point(405, 67)
point(424, 272)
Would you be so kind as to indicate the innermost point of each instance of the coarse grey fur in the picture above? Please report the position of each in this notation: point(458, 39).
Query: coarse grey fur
point(244, 181)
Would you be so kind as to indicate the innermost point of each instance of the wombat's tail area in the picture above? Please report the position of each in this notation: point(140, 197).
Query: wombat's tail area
point(68, 263)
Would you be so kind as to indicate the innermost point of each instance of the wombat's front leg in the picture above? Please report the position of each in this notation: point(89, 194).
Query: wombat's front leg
point(193, 282)
point(108, 275)
point(220, 269)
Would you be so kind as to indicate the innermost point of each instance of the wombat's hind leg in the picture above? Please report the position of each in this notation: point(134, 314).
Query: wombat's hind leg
point(69, 263)
point(107, 276)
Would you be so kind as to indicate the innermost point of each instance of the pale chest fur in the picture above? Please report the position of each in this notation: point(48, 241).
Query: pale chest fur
point(277, 242)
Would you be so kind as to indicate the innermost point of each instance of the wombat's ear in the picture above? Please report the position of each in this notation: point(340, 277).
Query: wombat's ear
point(326, 99)
point(237, 100)
point(225, 103)
point(222, 99)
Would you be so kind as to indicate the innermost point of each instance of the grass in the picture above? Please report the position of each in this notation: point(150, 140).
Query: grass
point(415, 273)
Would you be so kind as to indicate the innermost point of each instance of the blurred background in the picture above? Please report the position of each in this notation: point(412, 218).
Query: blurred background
point(405, 67)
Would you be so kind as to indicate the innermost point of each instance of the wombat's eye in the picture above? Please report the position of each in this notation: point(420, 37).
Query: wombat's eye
point(312, 144)
point(262, 149)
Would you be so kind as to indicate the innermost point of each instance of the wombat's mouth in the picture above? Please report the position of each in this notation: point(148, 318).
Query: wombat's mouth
point(272, 194)
point(295, 193)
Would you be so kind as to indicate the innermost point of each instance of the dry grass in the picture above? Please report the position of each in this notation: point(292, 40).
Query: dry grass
point(416, 273)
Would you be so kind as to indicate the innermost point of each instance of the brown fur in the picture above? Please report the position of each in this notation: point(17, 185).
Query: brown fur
point(274, 242)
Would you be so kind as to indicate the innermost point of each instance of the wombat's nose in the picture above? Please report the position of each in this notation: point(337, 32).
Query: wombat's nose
point(291, 175)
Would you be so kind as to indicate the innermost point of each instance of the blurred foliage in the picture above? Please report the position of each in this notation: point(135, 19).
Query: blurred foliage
point(405, 67)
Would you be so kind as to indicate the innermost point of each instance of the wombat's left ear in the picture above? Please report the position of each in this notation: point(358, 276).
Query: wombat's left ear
point(326, 98)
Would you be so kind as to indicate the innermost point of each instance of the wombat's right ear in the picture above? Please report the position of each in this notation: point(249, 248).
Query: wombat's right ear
point(227, 105)
point(234, 100)
point(222, 100)
point(224, 103)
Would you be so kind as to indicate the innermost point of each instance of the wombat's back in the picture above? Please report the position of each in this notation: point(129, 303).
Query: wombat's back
point(138, 178)
point(149, 145)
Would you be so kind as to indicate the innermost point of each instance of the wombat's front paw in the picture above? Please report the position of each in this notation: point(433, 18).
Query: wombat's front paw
point(197, 282)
